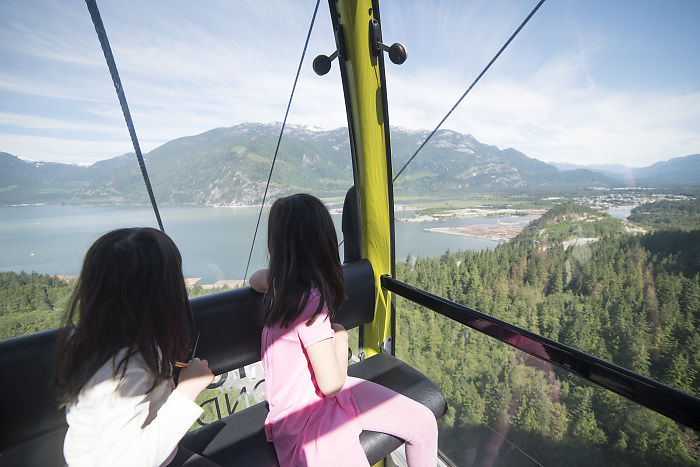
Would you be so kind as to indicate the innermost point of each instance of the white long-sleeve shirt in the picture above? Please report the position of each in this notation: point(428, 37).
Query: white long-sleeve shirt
point(116, 423)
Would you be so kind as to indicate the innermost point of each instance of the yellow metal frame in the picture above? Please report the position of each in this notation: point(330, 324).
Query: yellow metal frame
point(364, 97)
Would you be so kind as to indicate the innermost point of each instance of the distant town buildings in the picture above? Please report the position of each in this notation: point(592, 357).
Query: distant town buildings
point(67, 277)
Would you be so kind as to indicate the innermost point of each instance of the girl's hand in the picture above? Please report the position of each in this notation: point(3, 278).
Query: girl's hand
point(258, 281)
point(194, 378)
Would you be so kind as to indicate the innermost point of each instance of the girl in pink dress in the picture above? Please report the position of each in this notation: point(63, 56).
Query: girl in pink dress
point(316, 411)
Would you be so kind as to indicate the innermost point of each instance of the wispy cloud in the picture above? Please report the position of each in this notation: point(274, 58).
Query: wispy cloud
point(53, 149)
point(187, 68)
point(35, 122)
point(558, 113)
point(39, 86)
point(582, 126)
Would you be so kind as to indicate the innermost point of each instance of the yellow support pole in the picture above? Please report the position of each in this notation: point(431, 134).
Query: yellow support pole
point(362, 80)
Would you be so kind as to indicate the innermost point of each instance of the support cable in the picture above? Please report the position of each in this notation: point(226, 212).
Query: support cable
point(279, 140)
point(109, 57)
point(470, 87)
point(513, 445)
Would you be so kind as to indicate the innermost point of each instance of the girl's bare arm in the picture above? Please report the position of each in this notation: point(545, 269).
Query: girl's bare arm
point(341, 347)
point(329, 360)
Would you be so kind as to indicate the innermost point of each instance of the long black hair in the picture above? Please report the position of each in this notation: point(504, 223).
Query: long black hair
point(130, 295)
point(303, 249)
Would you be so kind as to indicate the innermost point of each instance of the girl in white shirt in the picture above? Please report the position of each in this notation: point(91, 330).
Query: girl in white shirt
point(128, 321)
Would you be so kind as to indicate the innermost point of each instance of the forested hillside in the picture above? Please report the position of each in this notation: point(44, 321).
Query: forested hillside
point(682, 214)
point(35, 302)
point(30, 302)
point(630, 299)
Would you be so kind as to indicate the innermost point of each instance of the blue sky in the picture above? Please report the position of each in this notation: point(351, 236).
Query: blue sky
point(585, 82)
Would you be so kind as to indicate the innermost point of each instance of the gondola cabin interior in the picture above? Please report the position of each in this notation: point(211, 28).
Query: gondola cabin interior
point(382, 307)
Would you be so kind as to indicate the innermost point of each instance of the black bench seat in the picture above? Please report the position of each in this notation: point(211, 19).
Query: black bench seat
point(33, 428)
point(239, 439)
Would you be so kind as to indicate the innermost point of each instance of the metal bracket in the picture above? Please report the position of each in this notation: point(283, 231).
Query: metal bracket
point(386, 345)
point(397, 52)
point(322, 63)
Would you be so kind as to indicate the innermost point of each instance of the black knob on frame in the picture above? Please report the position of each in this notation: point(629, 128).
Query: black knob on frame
point(397, 53)
point(322, 63)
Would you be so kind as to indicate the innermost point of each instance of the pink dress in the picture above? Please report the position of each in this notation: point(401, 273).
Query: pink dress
point(306, 427)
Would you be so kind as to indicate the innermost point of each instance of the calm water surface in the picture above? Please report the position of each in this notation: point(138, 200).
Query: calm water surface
point(621, 212)
point(214, 242)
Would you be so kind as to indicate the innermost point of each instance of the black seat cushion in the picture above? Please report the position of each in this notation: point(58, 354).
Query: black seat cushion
point(45, 450)
point(33, 427)
point(239, 439)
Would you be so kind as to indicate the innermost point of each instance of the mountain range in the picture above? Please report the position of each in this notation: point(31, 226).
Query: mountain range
point(678, 171)
point(230, 166)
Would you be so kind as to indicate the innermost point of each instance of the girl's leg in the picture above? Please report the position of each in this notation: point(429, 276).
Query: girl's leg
point(354, 456)
point(388, 412)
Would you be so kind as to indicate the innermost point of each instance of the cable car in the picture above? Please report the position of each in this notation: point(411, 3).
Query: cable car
point(230, 335)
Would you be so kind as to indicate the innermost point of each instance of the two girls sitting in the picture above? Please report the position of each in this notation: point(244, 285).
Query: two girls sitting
point(115, 365)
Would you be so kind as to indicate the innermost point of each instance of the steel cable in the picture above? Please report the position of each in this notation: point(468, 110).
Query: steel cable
point(534, 10)
point(279, 140)
point(111, 64)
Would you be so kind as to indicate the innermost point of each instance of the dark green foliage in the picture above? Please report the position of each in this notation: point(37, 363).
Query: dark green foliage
point(36, 302)
point(680, 215)
point(676, 251)
point(30, 302)
point(632, 300)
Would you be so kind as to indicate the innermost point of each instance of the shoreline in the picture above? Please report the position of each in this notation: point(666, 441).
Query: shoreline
point(494, 236)
point(497, 231)
point(472, 213)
